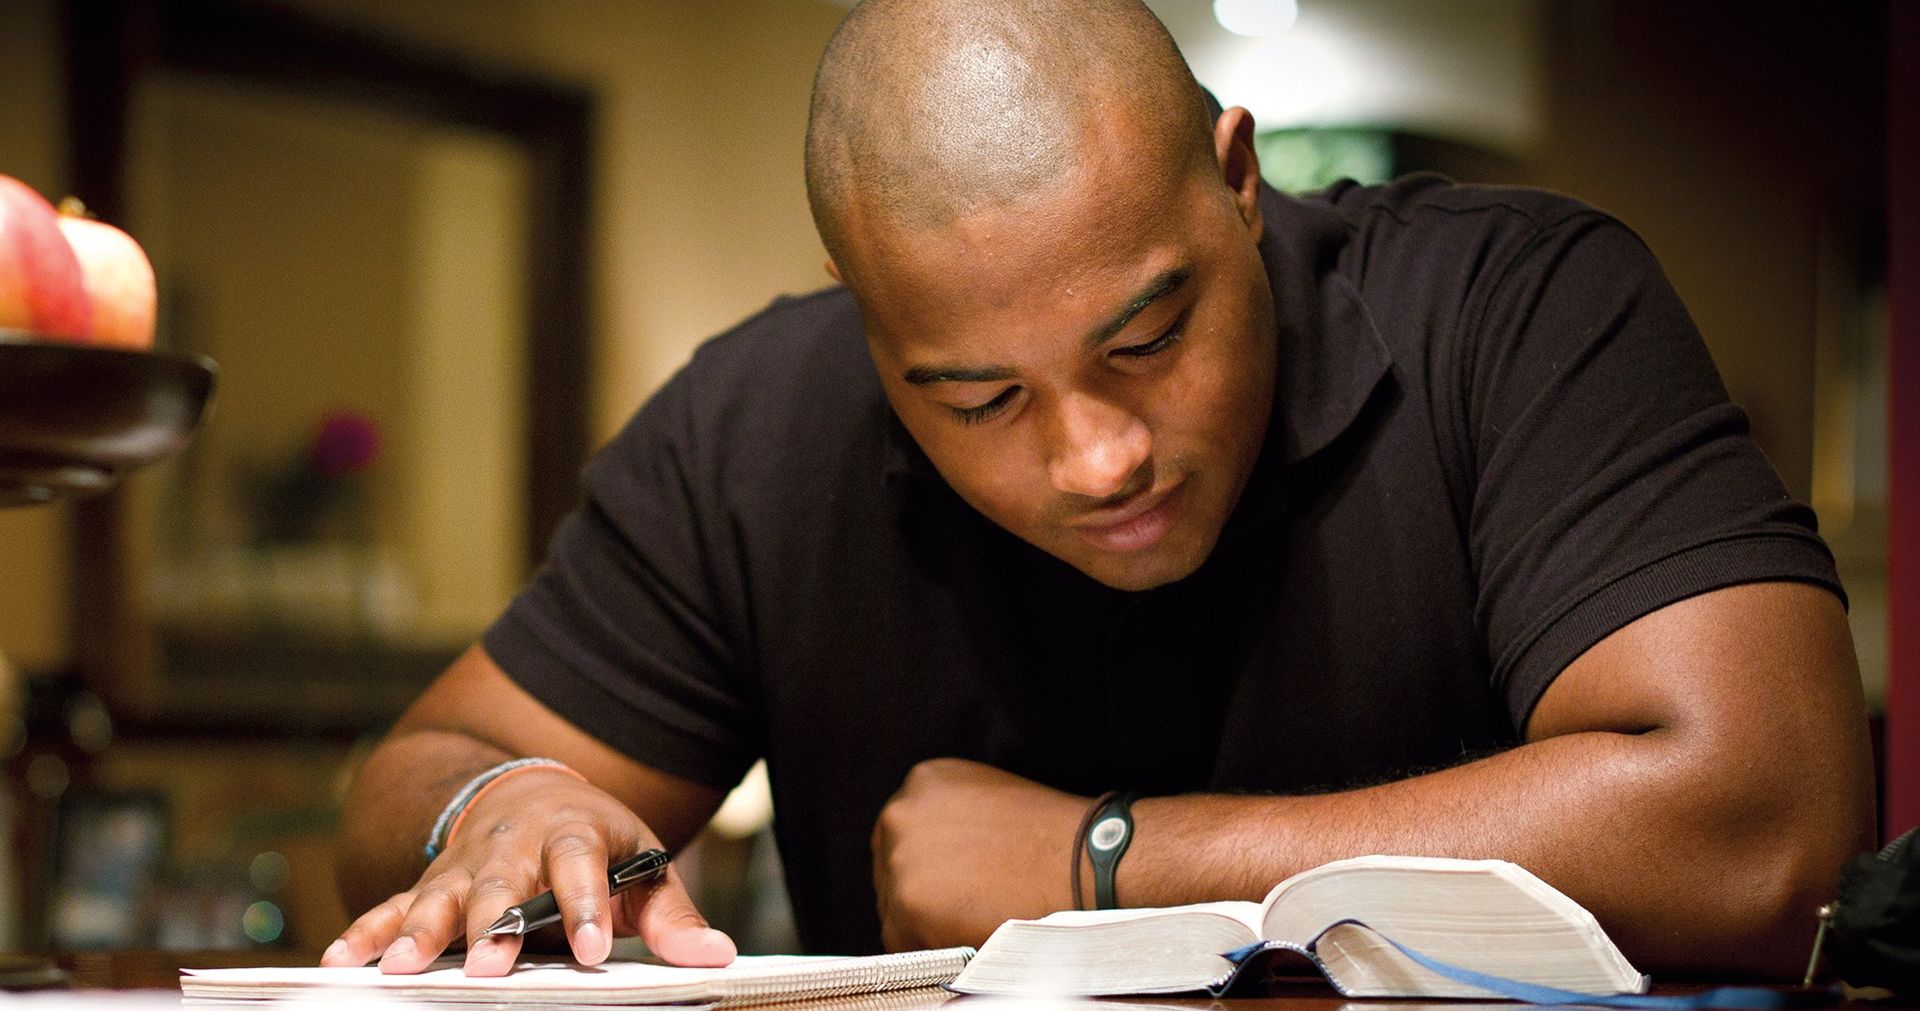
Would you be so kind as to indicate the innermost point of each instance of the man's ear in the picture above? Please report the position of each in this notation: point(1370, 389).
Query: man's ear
point(833, 269)
point(1239, 165)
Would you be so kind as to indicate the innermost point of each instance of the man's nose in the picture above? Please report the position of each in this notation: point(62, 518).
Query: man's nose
point(1099, 446)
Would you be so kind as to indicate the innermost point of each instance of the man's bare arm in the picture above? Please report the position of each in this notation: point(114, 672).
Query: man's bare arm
point(538, 829)
point(1696, 780)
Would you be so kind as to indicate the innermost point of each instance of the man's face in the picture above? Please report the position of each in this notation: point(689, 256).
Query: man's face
point(1094, 369)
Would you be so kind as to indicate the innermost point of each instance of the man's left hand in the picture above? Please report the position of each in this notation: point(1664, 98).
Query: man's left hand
point(962, 847)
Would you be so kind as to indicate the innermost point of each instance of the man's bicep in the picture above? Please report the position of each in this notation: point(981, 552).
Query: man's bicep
point(475, 697)
point(1757, 683)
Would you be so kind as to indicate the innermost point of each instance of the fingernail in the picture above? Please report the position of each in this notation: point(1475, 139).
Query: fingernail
point(336, 952)
point(484, 956)
point(402, 948)
point(590, 942)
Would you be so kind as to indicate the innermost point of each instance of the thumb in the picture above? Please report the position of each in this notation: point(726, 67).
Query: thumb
point(673, 929)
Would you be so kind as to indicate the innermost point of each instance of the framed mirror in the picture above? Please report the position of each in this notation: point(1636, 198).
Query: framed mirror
point(386, 253)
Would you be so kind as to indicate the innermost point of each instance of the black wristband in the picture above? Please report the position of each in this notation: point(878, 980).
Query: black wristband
point(1080, 842)
point(1107, 840)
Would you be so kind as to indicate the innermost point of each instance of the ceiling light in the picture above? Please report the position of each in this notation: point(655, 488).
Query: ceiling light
point(1256, 17)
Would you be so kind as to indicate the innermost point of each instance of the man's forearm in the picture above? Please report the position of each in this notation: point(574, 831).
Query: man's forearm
point(392, 804)
point(1684, 862)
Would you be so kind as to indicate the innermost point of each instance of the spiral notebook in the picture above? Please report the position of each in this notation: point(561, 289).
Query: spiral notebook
point(751, 979)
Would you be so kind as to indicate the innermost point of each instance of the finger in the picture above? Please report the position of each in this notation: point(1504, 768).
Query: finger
point(674, 929)
point(370, 934)
point(499, 885)
point(576, 864)
point(432, 923)
point(492, 954)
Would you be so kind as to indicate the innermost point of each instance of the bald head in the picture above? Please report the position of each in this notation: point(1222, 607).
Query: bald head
point(928, 110)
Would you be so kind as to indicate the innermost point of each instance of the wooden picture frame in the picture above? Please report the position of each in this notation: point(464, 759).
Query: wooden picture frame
point(112, 46)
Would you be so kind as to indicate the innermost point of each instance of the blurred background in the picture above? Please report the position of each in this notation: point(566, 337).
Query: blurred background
point(440, 249)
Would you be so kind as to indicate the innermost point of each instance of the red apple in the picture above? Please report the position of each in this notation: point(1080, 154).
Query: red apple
point(42, 290)
point(118, 277)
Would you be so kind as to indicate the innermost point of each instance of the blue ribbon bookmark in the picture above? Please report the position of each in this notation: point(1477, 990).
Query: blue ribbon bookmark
point(1744, 998)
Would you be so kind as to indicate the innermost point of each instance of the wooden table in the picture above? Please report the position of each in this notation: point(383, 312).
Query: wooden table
point(160, 971)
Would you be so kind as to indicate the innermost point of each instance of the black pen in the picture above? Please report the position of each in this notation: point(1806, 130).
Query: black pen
point(542, 909)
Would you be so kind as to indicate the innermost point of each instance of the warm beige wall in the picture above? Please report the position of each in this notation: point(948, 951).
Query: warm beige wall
point(33, 573)
point(463, 501)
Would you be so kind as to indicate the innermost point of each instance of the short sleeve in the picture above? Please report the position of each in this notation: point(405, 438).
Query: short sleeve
point(625, 631)
point(1613, 475)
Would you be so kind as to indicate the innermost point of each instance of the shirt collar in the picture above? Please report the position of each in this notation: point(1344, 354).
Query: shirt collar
point(1331, 356)
point(903, 456)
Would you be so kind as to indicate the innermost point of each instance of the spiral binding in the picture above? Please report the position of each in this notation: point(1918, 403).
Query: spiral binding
point(901, 971)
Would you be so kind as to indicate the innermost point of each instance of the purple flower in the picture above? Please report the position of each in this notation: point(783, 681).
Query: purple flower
point(346, 443)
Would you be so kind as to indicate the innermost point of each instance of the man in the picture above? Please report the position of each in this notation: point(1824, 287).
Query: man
point(1404, 520)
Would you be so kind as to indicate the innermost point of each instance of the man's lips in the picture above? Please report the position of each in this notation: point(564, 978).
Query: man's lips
point(1131, 524)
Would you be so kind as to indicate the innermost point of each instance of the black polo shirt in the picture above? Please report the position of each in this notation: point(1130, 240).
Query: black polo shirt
point(1497, 437)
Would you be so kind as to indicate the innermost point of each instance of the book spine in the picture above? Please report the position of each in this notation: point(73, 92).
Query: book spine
point(905, 970)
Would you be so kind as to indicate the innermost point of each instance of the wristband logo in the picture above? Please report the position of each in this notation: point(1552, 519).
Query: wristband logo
point(1108, 834)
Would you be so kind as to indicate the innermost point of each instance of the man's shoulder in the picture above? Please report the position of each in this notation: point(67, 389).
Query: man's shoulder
point(1427, 231)
point(1434, 203)
point(1424, 247)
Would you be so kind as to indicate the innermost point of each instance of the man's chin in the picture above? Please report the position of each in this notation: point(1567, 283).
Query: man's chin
point(1136, 571)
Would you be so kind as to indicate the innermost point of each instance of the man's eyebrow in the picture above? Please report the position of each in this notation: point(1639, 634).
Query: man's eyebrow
point(922, 375)
point(1163, 284)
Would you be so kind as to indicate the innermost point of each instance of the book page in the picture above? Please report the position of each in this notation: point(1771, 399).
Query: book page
point(1165, 951)
point(1487, 915)
point(1249, 913)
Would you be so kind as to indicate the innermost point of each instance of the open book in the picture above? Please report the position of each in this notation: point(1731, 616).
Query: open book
point(1488, 916)
point(751, 979)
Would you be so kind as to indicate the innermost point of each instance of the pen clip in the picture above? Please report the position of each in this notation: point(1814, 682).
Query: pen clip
point(1827, 914)
point(639, 868)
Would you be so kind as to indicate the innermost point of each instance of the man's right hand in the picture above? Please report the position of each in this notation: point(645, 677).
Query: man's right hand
point(534, 830)
point(540, 829)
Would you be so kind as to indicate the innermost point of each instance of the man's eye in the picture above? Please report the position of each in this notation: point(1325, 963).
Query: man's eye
point(1154, 346)
point(975, 415)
